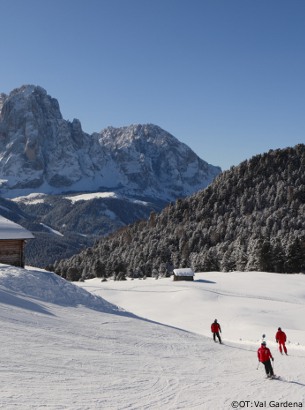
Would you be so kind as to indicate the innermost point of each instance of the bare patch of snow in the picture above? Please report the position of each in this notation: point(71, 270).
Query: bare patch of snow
point(31, 199)
point(51, 230)
point(88, 197)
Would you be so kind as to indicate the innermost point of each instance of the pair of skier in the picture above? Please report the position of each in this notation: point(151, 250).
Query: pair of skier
point(264, 355)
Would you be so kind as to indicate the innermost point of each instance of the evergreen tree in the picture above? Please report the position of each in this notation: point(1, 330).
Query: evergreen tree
point(278, 257)
point(295, 257)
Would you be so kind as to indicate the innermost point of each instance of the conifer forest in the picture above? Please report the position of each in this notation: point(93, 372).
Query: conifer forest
point(250, 218)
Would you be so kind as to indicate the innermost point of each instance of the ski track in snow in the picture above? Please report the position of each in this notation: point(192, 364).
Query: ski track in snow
point(80, 356)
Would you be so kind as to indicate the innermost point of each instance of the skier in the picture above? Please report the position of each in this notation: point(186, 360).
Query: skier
point(216, 329)
point(264, 355)
point(280, 338)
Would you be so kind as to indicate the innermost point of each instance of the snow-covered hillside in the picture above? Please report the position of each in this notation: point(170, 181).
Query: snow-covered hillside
point(247, 304)
point(66, 348)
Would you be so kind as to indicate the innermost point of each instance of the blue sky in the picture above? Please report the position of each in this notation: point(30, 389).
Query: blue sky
point(227, 77)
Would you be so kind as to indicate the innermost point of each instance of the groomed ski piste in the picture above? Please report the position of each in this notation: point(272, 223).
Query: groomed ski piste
point(146, 344)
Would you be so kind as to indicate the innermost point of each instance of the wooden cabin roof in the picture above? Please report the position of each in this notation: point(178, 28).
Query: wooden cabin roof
point(11, 230)
point(184, 272)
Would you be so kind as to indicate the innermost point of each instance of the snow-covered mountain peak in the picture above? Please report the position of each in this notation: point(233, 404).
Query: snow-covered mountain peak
point(33, 100)
point(148, 133)
point(41, 150)
point(155, 161)
point(28, 89)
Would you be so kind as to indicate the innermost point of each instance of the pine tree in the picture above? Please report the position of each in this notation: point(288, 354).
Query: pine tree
point(295, 257)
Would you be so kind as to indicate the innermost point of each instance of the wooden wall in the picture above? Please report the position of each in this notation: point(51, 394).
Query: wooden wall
point(11, 252)
point(183, 277)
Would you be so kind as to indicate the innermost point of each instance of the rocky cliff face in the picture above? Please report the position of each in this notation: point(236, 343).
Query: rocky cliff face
point(40, 151)
point(38, 148)
point(153, 162)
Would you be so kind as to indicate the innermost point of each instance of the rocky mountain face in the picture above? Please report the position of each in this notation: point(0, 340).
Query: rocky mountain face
point(39, 150)
point(142, 166)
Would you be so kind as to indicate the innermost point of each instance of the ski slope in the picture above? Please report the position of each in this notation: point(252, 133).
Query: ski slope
point(146, 344)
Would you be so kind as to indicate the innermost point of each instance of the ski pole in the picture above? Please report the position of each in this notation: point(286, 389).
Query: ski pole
point(258, 365)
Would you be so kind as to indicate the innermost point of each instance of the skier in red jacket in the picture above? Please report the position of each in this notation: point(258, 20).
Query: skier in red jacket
point(280, 338)
point(216, 329)
point(264, 355)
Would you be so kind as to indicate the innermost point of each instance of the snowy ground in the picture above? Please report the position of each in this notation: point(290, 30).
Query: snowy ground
point(65, 348)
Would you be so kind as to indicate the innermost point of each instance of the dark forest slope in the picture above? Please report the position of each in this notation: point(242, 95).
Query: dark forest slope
point(250, 218)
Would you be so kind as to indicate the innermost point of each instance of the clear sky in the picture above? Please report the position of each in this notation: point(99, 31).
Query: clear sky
point(227, 77)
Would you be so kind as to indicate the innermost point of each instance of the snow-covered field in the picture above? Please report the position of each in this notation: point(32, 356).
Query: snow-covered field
point(64, 346)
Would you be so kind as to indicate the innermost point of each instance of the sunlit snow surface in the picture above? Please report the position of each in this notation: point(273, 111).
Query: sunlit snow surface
point(65, 348)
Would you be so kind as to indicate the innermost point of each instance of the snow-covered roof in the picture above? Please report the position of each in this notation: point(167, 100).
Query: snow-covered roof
point(184, 272)
point(11, 230)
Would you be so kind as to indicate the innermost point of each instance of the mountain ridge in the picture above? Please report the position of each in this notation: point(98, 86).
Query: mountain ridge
point(40, 150)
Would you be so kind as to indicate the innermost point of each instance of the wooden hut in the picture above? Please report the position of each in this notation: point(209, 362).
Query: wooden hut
point(184, 274)
point(12, 241)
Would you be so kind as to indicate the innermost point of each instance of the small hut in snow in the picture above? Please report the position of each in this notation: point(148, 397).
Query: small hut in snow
point(12, 240)
point(184, 274)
